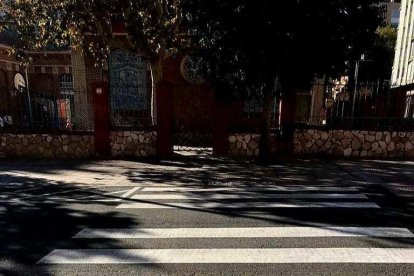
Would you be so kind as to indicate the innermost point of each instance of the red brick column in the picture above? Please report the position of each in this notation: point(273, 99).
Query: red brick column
point(100, 95)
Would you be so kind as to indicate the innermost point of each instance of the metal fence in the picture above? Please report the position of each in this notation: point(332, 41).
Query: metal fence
point(365, 106)
point(40, 111)
point(51, 104)
point(361, 123)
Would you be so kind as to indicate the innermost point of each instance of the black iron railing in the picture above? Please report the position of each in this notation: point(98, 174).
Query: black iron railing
point(358, 123)
point(39, 111)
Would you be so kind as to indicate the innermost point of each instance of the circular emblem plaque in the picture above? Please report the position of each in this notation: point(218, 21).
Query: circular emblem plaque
point(191, 69)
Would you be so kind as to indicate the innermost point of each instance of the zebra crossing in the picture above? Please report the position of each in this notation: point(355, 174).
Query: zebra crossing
point(217, 196)
point(240, 255)
point(146, 200)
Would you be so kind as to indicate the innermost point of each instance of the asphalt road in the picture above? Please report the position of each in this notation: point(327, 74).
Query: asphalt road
point(194, 217)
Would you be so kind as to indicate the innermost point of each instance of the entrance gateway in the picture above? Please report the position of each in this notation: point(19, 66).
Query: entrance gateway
point(193, 110)
point(186, 112)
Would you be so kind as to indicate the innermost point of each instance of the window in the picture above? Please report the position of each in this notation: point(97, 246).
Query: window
point(412, 49)
point(66, 84)
point(409, 108)
point(395, 17)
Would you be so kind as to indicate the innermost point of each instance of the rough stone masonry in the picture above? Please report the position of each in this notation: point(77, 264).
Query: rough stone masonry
point(354, 143)
point(76, 145)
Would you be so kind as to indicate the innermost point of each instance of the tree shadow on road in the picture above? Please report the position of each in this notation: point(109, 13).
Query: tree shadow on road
point(31, 226)
point(31, 229)
point(293, 176)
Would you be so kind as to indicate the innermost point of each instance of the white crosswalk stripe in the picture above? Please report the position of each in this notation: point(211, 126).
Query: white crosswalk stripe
point(238, 198)
point(208, 198)
point(248, 232)
point(244, 205)
point(249, 196)
point(251, 189)
point(233, 255)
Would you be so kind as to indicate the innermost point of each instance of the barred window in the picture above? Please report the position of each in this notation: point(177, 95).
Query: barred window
point(66, 84)
point(409, 108)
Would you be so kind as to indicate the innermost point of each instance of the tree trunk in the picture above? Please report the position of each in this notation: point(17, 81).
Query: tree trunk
point(287, 119)
point(264, 146)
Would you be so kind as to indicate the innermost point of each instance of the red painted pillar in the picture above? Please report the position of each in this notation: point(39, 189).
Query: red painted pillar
point(221, 129)
point(100, 96)
point(165, 142)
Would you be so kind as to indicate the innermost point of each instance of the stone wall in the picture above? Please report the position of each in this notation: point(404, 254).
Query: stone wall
point(354, 143)
point(133, 144)
point(46, 145)
point(244, 145)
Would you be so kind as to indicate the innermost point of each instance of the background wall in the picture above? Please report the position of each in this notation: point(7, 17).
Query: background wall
point(379, 144)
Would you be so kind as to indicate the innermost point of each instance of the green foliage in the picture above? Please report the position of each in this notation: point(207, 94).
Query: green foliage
point(387, 38)
point(45, 24)
point(248, 44)
point(381, 55)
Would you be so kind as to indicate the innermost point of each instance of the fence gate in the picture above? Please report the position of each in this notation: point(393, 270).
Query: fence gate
point(193, 114)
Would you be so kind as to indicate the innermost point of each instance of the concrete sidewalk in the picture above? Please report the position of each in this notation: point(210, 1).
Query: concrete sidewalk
point(395, 176)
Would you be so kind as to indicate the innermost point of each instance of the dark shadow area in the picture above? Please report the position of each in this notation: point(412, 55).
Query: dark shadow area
point(289, 177)
point(398, 176)
point(32, 225)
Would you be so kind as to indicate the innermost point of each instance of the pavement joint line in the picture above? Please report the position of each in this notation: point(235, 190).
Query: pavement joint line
point(105, 194)
point(58, 193)
point(26, 190)
point(88, 187)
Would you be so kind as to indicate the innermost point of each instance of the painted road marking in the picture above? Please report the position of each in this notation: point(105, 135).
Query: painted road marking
point(250, 189)
point(57, 193)
point(244, 205)
point(125, 194)
point(232, 255)
point(248, 232)
point(130, 192)
point(247, 196)
point(25, 190)
point(52, 197)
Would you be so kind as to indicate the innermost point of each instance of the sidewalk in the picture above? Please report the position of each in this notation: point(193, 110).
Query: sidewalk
point(395, 176)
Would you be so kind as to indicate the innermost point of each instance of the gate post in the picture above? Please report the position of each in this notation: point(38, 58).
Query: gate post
point(165, 144)
point(221, 128)
point(100, 96)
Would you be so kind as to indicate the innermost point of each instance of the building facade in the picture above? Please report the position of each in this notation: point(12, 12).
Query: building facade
point(403, 70)
point(392, 16)
point(40, 96)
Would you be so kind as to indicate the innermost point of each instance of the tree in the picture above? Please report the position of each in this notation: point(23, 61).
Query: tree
point(87, 25)
point(249, 44)
point(383, 52)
